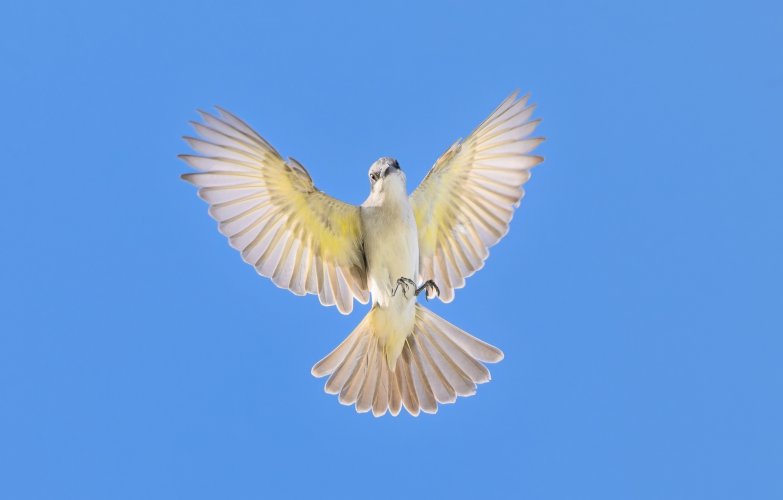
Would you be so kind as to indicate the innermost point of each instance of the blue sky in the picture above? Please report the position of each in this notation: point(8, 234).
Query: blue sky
point(637, 296)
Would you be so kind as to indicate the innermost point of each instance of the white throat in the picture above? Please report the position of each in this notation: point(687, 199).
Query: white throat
point(390, 193)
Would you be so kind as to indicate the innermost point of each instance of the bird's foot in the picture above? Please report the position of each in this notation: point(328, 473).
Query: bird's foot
point(428, 287)
point(404, 283)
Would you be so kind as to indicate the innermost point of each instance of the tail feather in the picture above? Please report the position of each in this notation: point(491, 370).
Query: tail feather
point(438, 362)
point(395, 398)
point(380, 401)
point(350, 391)
point(405, 382)
point(427, 401)
point(460, 383)
point(338, 355)
point(370, 385)
point(471, 345)
point(441, 388)
point(461, 360)
point(347, 366)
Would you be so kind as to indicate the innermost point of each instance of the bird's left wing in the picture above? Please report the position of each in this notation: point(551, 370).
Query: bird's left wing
point(269, 209)
point(464, 205)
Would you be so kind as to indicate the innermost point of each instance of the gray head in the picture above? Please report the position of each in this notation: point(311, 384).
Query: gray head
point(382, 169)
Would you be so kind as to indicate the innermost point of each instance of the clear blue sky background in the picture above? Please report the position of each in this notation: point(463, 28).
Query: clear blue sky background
point(637, 297)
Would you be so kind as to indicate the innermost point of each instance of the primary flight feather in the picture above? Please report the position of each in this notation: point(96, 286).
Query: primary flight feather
point(390, 248)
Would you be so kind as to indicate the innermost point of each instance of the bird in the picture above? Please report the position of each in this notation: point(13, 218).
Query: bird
point(389, 250)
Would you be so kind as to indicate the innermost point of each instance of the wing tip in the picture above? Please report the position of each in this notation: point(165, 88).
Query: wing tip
point(188, 177)
point(538, 159)
point(224, 112)
point(193, 141)
point(203, 113)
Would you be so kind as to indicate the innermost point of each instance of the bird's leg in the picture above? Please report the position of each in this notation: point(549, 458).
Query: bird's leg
point(428, 286)
point(404, 282)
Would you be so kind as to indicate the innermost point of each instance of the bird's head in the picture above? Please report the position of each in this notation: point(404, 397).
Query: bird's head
point(384, 174)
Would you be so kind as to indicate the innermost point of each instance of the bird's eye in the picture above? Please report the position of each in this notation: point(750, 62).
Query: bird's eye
point(374, 176)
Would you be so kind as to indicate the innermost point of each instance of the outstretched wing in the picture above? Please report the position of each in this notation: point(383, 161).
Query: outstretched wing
point(464, 205)
point(269, 209)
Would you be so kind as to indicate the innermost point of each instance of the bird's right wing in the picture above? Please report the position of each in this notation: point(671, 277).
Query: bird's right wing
point(269, 209)
point(464, 205)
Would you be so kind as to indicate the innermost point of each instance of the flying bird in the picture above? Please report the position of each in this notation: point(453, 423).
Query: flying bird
point(389, 250)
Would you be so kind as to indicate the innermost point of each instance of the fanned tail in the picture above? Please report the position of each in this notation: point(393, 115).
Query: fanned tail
point(438, 363)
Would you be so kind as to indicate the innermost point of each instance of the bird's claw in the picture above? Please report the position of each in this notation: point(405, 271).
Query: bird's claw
point(404, 283)
point(427, 286)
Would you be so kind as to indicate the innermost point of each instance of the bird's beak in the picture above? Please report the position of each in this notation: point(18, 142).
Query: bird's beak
point(389, 170)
